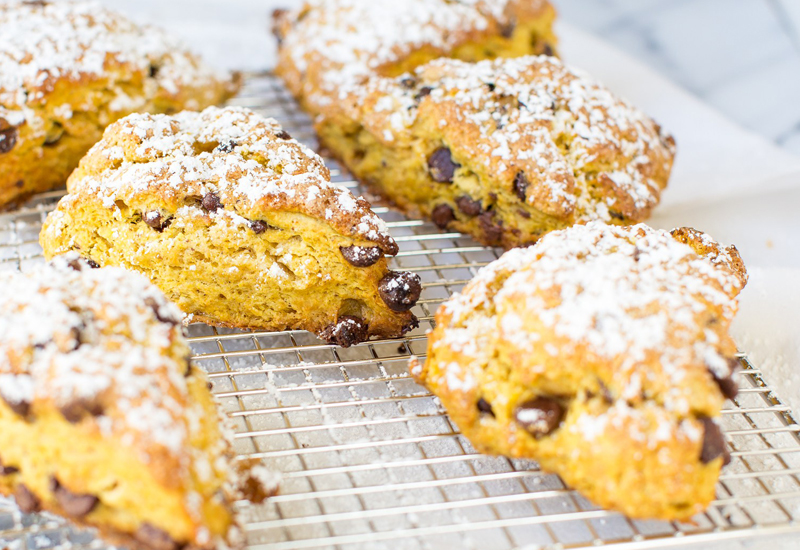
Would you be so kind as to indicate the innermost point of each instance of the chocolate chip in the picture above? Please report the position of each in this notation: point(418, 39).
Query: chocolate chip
point(726, 384)
point(155, 538)
point(153, 304)
point(493, 232)
point(156, 220)
point(8, 139)
point(507, 30)
point(283, 134)
point(258, 226)
point(539, 416)
point(92, 263)
point(468, 206)
point(26, 500)
point(400, 290)
point(73, 504)
point(491, 85)
point(78, 409)
point(548, 50)
point(154, 70)
point(442, 215)
point(713, 443)
point(361, 256)
point(425, 91)
point(21, 407)
point(485, 407)
point(616, 215)
point(520, 185)
point(441, 165)
point(409, 82)
point(226, 146)
point(348, 330)
point(211, 202)
point(19, 184)
point(7, 470)
point(524, 213)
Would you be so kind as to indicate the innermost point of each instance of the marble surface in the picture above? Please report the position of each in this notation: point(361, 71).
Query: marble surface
point(740, 56)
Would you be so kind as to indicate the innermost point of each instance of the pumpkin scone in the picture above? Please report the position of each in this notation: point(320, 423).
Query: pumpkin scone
point(237, 223)
point(503, 150)
point(326, 44)
point(603, 353)
point(70, 68)
point(102, 418)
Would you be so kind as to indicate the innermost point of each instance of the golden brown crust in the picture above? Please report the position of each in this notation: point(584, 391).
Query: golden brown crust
point(504, 150)
point(325, 45)
point(67, 70)
point(603, 353)
point(102, 418)
point(238, 223)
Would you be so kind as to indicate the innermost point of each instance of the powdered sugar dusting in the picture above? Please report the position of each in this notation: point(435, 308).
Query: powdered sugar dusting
point(246, 160)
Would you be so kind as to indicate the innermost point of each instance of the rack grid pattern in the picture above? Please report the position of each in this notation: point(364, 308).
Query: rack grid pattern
point(371, 460)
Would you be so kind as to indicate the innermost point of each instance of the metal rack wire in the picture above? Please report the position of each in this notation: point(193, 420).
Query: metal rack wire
point(370, 459)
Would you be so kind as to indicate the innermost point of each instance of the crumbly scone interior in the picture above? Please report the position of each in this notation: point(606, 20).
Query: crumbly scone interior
point(528, 146)
point(628, 421)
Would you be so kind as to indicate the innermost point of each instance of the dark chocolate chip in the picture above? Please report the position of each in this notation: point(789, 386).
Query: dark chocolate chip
point(22, 407)
point(361, 256)
point(491, 85)
point(539, 416)
point(492, 231)
point(258, 226)
point(548, 50)
point(409, 82)
point(485, 407)
point(7, 470)
point(226, 146)
point(726, 384)
point(78, 409)
point(425, 91)
point(347, 331)
point(283, 134)
point(616, 215)
point(153, 304)
point(92, 263)
point(400, 290)
point(156, 220)
point(520, 185)
point(73, 504)
point(155, 538)
point(441, 165)
point(154, 70)
point(442, 215)
point(468, 206)
point(713, 443)
point(211, 202)
point(26, 500)
point(507, 30)
point(8, 139)
point(524, 213)
point(19, 184)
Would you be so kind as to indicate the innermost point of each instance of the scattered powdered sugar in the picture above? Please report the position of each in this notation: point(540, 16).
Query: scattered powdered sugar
point(42, 43)
point(582, 150)
point(337, 42)
point(633, 296)
point(243, 158)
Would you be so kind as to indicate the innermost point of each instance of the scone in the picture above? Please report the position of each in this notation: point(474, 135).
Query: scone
point(325, 44)
point(237, 223)
point(102, 418)
point(69, 69)
point(603, 353)
point(503, 150)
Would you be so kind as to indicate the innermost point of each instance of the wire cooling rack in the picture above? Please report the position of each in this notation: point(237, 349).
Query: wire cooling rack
point(370, 459)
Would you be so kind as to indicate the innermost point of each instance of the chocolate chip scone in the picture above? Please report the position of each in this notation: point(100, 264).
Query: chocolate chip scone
point(69, 69)
point(503, 150)
point(237, 223)
point(325, 44)
point(603, 353)
point(104, 420)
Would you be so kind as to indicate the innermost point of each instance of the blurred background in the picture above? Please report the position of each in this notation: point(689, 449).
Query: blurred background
point(741, 56)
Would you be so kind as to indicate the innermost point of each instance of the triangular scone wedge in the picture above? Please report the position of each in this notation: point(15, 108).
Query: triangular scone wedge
point(102, 418)
point(237, 223)
point(603, 353)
